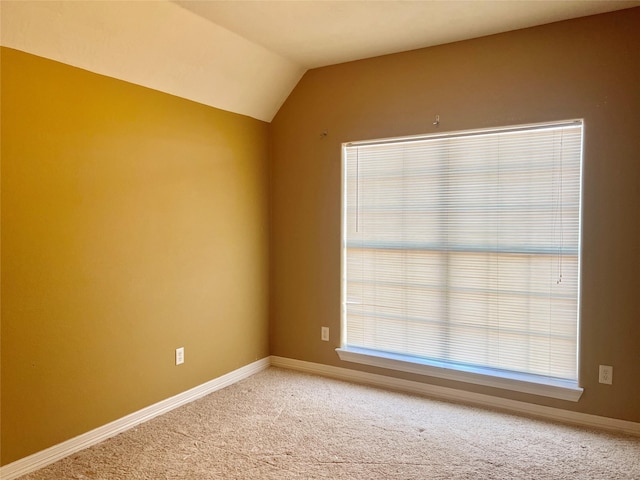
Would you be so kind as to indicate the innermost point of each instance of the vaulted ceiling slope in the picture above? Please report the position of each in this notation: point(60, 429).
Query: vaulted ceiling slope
point(156, 44)
point(247, 56)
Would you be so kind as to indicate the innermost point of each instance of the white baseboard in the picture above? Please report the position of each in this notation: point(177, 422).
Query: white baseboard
point(57, 452)
point(445, 393)
point(53, 454)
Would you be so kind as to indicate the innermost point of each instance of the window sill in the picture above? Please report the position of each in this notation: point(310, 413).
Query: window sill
point(518, 382)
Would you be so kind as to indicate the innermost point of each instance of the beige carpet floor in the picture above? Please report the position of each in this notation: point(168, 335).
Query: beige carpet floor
point(280, 424)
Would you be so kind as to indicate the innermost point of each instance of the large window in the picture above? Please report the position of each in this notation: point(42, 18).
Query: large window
point(461, 256)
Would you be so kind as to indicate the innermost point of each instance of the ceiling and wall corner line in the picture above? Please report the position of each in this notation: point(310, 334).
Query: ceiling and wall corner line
point(158, 45)
point(247, 57)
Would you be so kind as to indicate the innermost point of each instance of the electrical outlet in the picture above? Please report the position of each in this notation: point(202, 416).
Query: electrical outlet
point(179, 356)
point(606, 374)
point(324, 334)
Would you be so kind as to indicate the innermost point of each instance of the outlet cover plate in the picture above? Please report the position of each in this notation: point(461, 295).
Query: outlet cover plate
point(179, 356)
point(324, 334)
point(606, 374)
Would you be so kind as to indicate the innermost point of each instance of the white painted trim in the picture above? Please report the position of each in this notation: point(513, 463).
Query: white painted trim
point(445, 393)
point(517, 382)
point(57, 452)
point(50, 455)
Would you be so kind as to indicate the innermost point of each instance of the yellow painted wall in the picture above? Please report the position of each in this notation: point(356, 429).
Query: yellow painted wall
point(133, 223)
point(586, 68)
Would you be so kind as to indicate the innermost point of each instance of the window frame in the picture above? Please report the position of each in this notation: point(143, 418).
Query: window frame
point(569, 390)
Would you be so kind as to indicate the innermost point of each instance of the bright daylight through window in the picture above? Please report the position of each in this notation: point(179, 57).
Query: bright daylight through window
point(461, 256)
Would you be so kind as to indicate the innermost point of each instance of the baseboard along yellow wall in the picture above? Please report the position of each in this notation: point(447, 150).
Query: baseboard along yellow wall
point(133, 223)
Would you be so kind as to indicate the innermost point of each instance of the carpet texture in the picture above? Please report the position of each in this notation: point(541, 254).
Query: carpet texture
point(280, 424)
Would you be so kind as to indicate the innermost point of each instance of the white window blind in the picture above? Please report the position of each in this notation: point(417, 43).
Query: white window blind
point(464, 248)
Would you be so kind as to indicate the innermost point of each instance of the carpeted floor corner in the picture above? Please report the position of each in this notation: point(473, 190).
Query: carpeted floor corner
point(280, 424)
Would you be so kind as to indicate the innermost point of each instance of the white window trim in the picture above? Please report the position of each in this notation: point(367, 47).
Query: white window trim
point(550, 387)
point(518, 382)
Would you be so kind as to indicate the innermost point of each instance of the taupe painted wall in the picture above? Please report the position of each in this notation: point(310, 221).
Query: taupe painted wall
point(133, 223)
point(586, 68)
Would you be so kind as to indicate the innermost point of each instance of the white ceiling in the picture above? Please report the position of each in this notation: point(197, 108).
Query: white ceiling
point(247, 56)
point(318, 33)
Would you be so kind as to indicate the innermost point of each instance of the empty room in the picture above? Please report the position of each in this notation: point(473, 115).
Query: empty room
point(320, 239)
